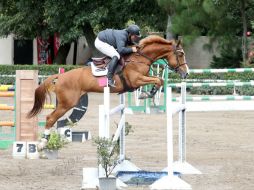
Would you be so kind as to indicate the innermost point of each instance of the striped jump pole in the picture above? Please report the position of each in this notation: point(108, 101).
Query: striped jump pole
point(219, 102)
point(21, 127)
point(49, 106)
point(214, 98)
point(7, 136)
point(7, 88)
point(233, 70)
point(215, 84)
point(7, 123)
point(6, 93)
point(6, 107)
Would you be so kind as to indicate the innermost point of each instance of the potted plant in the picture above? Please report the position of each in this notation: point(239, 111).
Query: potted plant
point(55, 142)
point(107, 159)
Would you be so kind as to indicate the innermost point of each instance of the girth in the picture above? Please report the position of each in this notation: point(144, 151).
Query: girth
point(126, 87)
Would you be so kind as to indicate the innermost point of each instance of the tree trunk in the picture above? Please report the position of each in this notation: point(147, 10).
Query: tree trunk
point(169, 34)
point(90, 38)
point(62, 54)
point(75, 53)
point(244, 38)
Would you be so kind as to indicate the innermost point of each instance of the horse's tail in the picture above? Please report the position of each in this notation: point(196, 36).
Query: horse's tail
point(40, 95)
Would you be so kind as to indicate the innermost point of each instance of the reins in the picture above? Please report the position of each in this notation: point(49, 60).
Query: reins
point(147, 57)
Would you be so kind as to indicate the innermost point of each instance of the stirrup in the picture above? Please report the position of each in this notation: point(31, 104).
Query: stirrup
point(111, 83)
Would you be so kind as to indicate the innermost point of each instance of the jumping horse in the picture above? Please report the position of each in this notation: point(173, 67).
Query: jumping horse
point(70, 86)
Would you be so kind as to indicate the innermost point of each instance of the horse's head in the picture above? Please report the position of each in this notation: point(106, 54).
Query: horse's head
point(155, 47)
point(176, 60)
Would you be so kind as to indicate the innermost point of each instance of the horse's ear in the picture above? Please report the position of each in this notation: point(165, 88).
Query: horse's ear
point(179, 41)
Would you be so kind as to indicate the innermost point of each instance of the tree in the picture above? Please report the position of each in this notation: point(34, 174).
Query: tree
point(222, 20)
point(236, 20)
point(75, 18)
point(170, 7)
point(23, 18)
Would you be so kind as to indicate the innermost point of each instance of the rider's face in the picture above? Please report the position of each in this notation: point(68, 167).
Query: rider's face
point(135, 38)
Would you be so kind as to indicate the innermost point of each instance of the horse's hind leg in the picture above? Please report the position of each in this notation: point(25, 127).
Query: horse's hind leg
point(50, 120)
point(55, 115)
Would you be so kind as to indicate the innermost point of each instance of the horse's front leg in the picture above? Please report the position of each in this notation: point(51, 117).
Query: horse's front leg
point(144, 80)
point(158, 82)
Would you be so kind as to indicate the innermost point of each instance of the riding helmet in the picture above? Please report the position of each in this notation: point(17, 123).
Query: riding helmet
point(133, 30)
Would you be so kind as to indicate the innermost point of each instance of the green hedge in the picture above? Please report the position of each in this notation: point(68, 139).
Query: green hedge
point(240, 90)
point(173, 78)
point(43, 70)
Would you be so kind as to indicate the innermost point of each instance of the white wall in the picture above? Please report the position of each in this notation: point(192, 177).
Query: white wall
point(35, 52)
point(7, 50)
point(81, 52)
point(196, 56)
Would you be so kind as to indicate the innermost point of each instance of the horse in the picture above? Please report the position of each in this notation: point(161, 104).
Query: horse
point(71, 85)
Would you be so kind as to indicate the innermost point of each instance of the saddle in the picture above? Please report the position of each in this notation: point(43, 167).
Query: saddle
point(100, 65)
point(101, 62)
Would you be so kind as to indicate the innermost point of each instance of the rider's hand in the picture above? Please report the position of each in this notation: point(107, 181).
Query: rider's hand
point(134, 49)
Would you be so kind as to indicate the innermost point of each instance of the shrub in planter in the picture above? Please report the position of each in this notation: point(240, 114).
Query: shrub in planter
point(107, 158)
point(107, 154)
point(55, 142)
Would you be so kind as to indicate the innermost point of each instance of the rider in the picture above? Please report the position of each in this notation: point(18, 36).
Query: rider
point(113, 43)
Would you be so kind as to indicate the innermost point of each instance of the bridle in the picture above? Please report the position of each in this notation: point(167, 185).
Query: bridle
point(166, 65)
point(177, 60)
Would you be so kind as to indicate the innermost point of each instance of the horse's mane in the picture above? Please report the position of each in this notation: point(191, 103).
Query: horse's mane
point(154, 39)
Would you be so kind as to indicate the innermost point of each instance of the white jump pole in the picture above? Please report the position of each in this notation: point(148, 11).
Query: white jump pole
point(107, 110)
point(124, 165)
point(122, 134)
point(104, 113)
point(182, 125)
point(104, 131)
point(104, 124)
point(170, 181)
point(181, 165)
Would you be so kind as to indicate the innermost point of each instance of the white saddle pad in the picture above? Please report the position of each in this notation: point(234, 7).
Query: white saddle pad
point(98, 71)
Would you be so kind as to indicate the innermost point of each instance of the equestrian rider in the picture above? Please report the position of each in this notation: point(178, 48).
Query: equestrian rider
point(113, 43)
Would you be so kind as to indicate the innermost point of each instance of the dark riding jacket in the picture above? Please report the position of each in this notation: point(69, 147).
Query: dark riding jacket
point(116, 38)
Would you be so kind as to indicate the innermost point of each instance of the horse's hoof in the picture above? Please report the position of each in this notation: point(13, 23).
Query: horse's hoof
point(42, 144)
point(143, 95)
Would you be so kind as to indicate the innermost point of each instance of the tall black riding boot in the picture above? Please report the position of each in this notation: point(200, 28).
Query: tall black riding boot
point(111, 70)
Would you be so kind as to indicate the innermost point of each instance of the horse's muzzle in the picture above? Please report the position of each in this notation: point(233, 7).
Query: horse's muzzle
point(183, 74)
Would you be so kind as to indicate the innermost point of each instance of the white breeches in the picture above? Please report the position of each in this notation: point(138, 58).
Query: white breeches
point(106, 48)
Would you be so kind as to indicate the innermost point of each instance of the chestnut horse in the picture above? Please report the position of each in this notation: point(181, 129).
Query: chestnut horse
point(70, 86)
